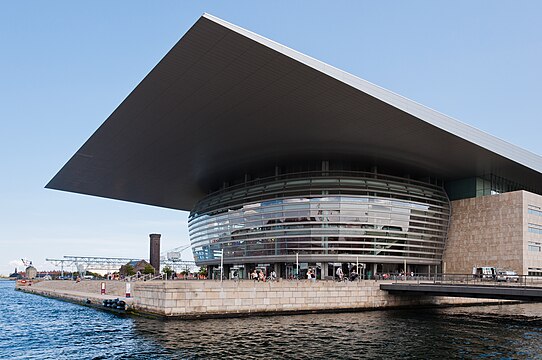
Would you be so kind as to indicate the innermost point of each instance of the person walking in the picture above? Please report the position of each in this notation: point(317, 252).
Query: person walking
point(340, 273)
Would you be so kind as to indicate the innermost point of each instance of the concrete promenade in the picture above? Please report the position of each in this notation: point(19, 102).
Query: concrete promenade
point(86, 292)
point(208, 298)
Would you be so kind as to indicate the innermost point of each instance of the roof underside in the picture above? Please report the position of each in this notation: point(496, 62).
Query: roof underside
point(224, 99)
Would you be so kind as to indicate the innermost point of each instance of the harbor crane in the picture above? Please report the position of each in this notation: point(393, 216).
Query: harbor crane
point(172, 258)
point(26, 262)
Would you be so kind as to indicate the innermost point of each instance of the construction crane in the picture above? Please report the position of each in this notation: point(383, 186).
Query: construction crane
point(84, 263)
point(174, 254)
point(60, 262)
point(26, 262)
point(172, 258)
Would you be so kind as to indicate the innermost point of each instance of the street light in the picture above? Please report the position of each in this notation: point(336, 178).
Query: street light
point(221, 264)
point(357, 267)
point(297, 265)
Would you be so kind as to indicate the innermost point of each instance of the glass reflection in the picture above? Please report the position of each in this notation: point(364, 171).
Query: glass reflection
point(397, 220)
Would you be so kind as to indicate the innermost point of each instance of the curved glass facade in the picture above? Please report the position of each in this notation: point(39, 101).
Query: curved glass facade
point(322, 216)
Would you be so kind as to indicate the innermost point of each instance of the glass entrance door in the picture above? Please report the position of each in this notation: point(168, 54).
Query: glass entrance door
point(290, 274)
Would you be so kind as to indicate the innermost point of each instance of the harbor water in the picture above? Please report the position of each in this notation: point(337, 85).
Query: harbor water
point(35, 327)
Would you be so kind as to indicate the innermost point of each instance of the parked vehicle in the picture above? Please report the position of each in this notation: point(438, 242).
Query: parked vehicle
point(484, 272)
point(508, 276)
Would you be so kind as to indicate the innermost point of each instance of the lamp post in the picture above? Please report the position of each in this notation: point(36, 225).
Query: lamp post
point(221, 264)
point(357, 267)
point(297, 265)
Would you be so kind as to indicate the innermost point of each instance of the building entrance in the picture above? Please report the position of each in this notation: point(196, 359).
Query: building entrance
point(290, 272)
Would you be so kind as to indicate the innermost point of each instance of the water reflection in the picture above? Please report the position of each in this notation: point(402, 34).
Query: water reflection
point(437, 333)
point(35, 327)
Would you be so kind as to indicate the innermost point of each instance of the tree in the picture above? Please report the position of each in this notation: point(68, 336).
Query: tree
point(148, 269)
point(168, 271)
point(128, 270)
point(203, 270)
point(96, 275)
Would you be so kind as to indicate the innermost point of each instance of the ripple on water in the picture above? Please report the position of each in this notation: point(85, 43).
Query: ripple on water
point(34, 327)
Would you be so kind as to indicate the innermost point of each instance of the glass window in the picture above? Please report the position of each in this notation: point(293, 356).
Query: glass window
point(535, 229)
point(534, 248)
point(535, 210)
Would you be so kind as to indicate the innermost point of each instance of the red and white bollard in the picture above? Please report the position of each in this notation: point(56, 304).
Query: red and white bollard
point(102, 286)
point(128, 289)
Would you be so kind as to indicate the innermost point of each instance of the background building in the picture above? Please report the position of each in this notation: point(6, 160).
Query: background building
point(284, 160)
point(135, 268)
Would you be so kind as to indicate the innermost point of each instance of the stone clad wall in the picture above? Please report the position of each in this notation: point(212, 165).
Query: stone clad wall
point(208, 298)
point(532, 259)
point(486, 231)
point(200, 299)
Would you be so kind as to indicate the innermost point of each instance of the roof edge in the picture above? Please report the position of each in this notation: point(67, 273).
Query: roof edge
point(422, 112)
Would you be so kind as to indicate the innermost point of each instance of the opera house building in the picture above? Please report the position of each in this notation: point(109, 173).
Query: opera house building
point(284, 162)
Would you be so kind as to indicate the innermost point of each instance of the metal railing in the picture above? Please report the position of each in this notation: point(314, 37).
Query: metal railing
point(144, 277)
point(470, 280)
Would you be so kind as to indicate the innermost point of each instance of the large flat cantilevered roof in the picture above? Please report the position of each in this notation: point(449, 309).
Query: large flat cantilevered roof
point(224, 99)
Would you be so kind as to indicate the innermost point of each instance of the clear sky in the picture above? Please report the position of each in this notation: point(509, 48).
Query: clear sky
point(66, 65)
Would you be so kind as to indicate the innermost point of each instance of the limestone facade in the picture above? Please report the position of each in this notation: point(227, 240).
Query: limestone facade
point(532, 232)
point(494, 231)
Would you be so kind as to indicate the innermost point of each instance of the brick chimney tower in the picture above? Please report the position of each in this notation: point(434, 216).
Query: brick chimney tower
point(154, 255)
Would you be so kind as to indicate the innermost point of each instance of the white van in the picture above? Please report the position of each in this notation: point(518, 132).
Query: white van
point(484, 272)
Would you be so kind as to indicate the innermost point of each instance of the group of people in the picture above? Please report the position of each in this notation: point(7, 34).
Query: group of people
point(401, 274)
point(340, 275)
point(259, 275)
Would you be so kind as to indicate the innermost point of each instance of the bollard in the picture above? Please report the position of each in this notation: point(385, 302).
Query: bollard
point(102, 286)
point(128, 288)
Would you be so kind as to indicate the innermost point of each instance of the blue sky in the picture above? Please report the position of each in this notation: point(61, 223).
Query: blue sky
point(66, 65)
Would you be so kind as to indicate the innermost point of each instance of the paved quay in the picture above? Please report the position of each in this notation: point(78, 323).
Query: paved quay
point(201, 299)
point(87, 292)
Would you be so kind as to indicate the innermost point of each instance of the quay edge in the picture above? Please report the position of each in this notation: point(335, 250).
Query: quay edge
point(212, 299)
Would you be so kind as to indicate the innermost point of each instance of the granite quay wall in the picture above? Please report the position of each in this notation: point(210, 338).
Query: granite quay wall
point(191, 299)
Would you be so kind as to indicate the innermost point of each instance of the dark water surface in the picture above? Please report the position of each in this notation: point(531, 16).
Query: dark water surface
point(35, 327)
